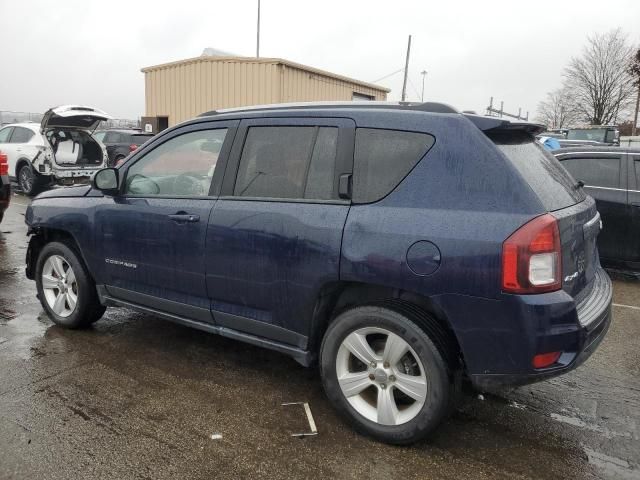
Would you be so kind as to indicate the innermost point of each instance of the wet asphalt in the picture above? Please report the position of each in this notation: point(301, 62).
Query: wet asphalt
point(138, 397)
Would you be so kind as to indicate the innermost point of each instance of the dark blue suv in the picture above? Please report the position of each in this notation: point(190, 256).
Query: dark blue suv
point(403, 248)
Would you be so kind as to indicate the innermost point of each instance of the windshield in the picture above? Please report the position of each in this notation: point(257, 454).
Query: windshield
point(595, 134)
point(551, 182)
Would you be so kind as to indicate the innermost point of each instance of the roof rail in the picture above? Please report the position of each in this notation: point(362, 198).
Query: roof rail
point(432, 107)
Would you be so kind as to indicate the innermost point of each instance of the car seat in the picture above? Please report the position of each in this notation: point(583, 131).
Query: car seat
point(67, 150)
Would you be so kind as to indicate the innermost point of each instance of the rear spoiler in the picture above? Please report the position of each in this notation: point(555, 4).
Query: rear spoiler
point(496, 124)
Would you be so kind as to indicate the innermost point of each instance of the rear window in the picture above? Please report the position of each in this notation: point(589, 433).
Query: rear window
point(383, 158)
point(547, 178)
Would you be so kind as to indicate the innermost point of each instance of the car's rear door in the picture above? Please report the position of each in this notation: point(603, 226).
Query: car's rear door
point(634, 209)
point(151, 236)
point(604, 175)
point(275, 233)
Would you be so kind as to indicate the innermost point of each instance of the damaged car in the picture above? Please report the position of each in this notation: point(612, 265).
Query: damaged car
point(61, 150)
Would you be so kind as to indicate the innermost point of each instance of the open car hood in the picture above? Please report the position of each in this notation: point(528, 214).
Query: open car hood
point(73, 116)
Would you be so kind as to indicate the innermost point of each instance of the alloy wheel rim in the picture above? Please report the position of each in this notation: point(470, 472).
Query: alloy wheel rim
point(381, 376)
point(26, 179)
point(59, 286)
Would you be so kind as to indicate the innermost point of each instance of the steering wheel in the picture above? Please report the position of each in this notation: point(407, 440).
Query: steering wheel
point(185, 184)
point(138, 184)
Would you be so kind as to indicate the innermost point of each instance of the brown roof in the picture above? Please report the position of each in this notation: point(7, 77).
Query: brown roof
point(276, 61)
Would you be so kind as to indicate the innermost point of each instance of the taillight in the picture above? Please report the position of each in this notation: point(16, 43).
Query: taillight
point(531, 257)
point(133, 148)
point(4, 164)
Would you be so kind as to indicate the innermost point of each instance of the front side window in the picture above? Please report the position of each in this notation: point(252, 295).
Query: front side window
point(5, 133)
point(595, 172)
point(183, 165)
point(288, 162)
point(21, 135)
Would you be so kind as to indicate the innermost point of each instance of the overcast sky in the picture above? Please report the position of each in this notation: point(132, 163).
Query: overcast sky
point(77, 51)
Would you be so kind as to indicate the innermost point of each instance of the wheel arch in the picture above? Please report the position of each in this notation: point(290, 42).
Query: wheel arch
point(41, 236)
point(22, 161)
point(336, 297)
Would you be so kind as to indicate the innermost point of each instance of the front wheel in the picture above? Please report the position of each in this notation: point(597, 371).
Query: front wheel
point(384, 374)
point(65, 289)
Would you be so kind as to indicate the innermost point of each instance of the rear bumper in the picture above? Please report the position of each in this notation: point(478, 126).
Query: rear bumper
point(499, 342)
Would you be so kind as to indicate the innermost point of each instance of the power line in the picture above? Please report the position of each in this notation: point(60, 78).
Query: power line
point(387, 76)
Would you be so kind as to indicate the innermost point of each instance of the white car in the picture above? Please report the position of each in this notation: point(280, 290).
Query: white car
point(60, 150)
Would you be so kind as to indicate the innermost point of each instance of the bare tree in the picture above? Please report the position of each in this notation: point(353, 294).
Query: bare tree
point(558, 109)
point(634, 71)
point(599, 79)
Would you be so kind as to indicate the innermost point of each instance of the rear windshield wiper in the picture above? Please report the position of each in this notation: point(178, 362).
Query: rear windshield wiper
point(579, 184)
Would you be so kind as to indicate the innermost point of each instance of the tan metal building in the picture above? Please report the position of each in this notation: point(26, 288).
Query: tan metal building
point(178, 91)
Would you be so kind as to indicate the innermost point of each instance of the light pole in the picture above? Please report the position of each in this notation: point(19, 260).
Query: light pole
point(424, 74)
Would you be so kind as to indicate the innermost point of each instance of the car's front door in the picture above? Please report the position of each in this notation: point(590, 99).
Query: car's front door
point(275, 234)
point(152, 235)
point(604, 175)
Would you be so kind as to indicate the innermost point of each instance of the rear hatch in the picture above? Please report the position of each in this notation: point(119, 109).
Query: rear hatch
point(578, 219)
point(73, 116)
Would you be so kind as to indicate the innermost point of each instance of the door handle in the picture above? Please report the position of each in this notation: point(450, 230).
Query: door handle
point(184, 218)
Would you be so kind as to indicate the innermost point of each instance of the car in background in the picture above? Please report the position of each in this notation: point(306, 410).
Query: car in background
point(121, 142)
point(602, 134)
point(59, 150)
point(611, 175)
point(5, 185)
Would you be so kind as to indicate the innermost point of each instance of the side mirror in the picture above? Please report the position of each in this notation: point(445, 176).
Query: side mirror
point(106, 180)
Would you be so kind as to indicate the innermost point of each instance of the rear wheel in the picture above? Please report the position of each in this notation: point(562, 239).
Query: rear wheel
point(384, 374)
point(65, 289)
point(30, 182)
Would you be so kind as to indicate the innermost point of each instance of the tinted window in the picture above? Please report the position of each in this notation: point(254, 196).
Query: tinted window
point(112, 137)
point(541, 170)
point(99, 136)
point(637, 168)
point(383, 158)
point(183, 165)
point(4, 134)
point(21, 135)
point(597, 172)
point(288, 162)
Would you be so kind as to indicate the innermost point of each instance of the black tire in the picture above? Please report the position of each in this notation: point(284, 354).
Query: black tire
point(29, 181)
point(438, 398)
point(88, 308)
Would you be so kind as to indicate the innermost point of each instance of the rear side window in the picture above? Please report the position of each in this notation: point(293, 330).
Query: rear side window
point(21, 135)
point(596, 172)
point(288, 162)
point(112, 137)
point(382, 158)
point(550, 182)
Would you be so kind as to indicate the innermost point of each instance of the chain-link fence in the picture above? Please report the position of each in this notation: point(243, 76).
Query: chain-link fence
point(18, 117)
point(7, 116)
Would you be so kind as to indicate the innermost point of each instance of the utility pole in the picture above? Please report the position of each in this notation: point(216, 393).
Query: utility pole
point(634, 130)
point(424, 74)
point(406, 71)
point(258, 34)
